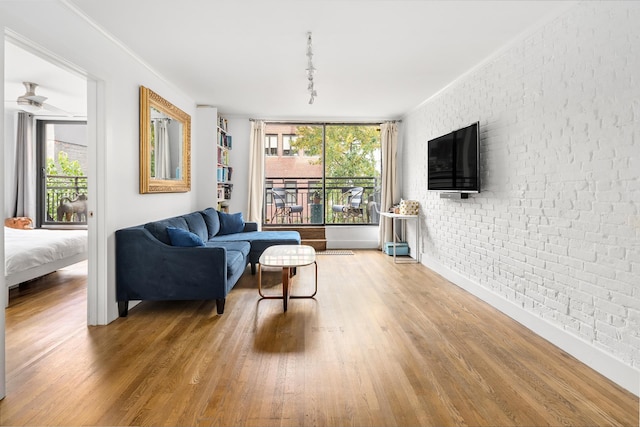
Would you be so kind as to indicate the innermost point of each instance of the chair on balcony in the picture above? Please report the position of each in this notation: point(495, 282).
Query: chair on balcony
point(373, 208)
point(282, 209)
point(351, 206)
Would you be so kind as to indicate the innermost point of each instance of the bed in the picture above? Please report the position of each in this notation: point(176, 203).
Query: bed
point(34, 253)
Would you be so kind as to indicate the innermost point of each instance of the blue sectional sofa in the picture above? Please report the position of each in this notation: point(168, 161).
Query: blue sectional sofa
point(200, 255)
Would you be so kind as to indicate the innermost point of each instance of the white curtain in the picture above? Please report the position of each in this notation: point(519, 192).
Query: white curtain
point(390, 192)
point(256, 172)
point(25, 178)
point(163, 155)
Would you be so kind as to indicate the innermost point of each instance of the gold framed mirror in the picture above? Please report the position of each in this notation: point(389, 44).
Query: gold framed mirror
point(165, 145)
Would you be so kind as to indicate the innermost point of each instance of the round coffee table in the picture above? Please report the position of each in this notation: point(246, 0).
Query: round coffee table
point(287, 257)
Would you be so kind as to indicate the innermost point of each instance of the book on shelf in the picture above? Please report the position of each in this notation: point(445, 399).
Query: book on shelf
point(228, 188)
point(225, 141)
point(224, 191)
point(222, 123)
point(223, 157)
point(223, 174)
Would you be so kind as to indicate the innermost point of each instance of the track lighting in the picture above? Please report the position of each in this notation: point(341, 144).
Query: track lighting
point(310, 70)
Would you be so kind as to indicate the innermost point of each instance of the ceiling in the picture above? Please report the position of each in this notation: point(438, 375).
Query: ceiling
point(375, 59)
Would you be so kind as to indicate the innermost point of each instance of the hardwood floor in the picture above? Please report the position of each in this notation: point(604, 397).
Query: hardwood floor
point(382, 344)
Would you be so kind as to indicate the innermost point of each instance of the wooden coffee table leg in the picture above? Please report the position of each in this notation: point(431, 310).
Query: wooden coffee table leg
point(286, 286)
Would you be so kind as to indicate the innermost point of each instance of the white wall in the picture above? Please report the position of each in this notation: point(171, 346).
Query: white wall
point(553, 239)
point(240, 129)
point(352, 237)
point(64, 34)
point(204, 155)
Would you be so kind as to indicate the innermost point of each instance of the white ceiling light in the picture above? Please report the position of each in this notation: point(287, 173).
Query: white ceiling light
point(310, 70)
point(30, 102)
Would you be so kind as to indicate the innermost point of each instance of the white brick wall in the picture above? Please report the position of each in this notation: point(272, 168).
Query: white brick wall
point(556, 228)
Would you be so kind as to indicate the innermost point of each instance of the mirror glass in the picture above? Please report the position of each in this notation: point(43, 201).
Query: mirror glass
point(165, 145)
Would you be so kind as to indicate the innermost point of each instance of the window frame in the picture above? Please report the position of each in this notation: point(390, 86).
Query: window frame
point(268, 148)
point(42, 220)
point(373, 186)
point(288, 139)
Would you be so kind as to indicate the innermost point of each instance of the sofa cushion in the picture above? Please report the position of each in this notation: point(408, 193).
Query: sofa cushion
point(184, 238)
point(230, 223)
point(260, 240)
point(235, 262)
point(212, 220)
point(196, 225)
point(241, 246)
point(159, 228)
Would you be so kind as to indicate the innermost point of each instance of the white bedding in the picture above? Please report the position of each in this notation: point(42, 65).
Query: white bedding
point(28, 249)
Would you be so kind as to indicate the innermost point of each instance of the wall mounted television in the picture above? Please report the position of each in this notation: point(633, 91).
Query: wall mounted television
point(454, 161)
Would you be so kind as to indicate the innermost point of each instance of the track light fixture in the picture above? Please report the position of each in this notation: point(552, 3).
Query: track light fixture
point(310, 69)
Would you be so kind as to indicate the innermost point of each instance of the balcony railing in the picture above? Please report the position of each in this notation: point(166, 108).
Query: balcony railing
point(306, 202)
point(65, 200)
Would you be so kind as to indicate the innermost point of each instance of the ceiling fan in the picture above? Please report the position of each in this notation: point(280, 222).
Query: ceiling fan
point(32, 103)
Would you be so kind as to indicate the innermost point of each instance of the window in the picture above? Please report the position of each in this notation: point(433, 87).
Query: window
point(271, 145)
point(352, 173)
point(63, 162)
point(332, 170)
point(287, 141)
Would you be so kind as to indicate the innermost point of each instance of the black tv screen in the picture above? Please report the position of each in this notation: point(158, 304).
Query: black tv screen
point(454, 161)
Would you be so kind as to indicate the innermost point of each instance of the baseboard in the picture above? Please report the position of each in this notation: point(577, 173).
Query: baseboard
point(617, 371)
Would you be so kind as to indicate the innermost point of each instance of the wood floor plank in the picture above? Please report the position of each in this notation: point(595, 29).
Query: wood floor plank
point(381, 344)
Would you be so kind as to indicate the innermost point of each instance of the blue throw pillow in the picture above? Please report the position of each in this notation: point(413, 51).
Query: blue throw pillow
point(181, 237)
point(212, 219)
point(230, 223)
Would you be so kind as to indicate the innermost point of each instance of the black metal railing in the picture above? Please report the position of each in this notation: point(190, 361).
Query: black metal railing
point(66, 200)
point(307, 202)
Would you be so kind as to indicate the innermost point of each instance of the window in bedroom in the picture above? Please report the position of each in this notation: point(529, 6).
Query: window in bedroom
point(62, 182)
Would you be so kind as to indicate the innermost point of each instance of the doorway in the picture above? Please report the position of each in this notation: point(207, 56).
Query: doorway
point(26, 62)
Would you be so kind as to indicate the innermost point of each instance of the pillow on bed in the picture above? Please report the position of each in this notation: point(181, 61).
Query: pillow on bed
point(20, 223)
point(183, 238)
point(230, 223)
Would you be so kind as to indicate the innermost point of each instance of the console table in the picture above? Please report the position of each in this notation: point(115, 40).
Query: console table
point(403, 219)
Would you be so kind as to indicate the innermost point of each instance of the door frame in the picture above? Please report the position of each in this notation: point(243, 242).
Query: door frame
point(97, 310)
